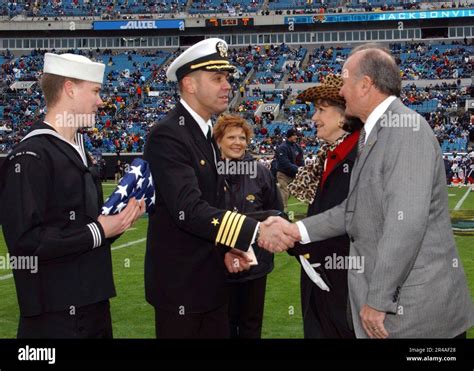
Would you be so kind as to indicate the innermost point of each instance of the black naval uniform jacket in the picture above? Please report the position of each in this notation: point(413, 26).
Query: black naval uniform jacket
point(50, 203)
point(188, 233)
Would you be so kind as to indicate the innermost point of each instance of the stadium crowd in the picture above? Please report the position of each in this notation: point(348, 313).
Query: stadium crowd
point(127, 9)
point(136, 94)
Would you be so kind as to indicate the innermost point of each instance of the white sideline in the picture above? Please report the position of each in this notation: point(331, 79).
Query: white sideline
point(128, 244)
point(461, 201)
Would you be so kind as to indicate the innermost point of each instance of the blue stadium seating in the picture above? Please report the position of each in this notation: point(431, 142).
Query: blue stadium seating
point(91, 8)
point(141, 112)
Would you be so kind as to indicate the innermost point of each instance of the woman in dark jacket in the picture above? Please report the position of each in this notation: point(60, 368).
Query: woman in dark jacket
point(249, 188)
point(325, 184)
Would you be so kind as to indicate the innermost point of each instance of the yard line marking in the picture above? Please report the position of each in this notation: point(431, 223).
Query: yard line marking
point(128, 244)
point(6, 277)
point(459, 204)
point(296, 203)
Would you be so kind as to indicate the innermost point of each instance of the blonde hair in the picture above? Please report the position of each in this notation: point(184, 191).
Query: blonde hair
point(51, 85)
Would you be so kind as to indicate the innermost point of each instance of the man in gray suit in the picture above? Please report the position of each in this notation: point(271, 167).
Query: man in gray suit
point(412, 283)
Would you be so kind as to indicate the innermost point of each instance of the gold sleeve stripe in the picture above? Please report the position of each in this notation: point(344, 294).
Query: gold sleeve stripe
point(232, 229)
point(223, 223)
point(237, 231)
point(227, 228)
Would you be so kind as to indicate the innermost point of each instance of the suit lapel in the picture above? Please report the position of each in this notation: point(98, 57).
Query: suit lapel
point(371, 140)
point(360, 161)
point(197, 135)
point(216, 150)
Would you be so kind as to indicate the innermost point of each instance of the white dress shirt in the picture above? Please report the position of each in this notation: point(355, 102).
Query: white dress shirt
point(204, 125)
point(376, 115)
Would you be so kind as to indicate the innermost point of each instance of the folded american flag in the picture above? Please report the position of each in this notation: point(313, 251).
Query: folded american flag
point(138, 183)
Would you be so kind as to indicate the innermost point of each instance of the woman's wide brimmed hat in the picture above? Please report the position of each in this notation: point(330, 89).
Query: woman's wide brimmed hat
point(328, 89)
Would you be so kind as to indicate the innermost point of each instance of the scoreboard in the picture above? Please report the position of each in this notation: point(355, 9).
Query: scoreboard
point(229, 22)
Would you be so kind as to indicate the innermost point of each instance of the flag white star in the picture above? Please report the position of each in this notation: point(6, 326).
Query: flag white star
point(106, 210)
point(120, 206)
point(136, 171)
point(152, 199)
point(150, 181)
point(140, 183)
point(122, 190)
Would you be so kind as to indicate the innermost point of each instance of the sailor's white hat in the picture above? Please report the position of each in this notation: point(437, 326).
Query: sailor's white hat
point(74, 66)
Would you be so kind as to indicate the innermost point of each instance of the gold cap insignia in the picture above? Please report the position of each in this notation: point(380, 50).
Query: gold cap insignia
point(222, 49)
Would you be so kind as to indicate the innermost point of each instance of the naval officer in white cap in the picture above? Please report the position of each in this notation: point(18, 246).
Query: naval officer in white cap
point(50, 199)
point(188, 235)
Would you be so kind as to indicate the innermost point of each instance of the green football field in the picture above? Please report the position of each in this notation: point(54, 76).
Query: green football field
point(133, 317)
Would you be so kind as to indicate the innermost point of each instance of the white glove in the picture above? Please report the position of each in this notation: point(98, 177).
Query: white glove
point(312, 274)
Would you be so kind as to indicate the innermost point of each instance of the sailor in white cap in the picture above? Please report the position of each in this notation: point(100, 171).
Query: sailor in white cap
point(189, 234)
point(53, 197)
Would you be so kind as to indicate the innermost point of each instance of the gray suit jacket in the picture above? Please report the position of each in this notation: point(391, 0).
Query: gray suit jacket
point(397, 217)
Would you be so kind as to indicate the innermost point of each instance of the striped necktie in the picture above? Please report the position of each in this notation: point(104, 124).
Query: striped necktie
point(361, 144)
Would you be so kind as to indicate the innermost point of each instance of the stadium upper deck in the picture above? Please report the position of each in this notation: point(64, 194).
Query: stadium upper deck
point(120, 8)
